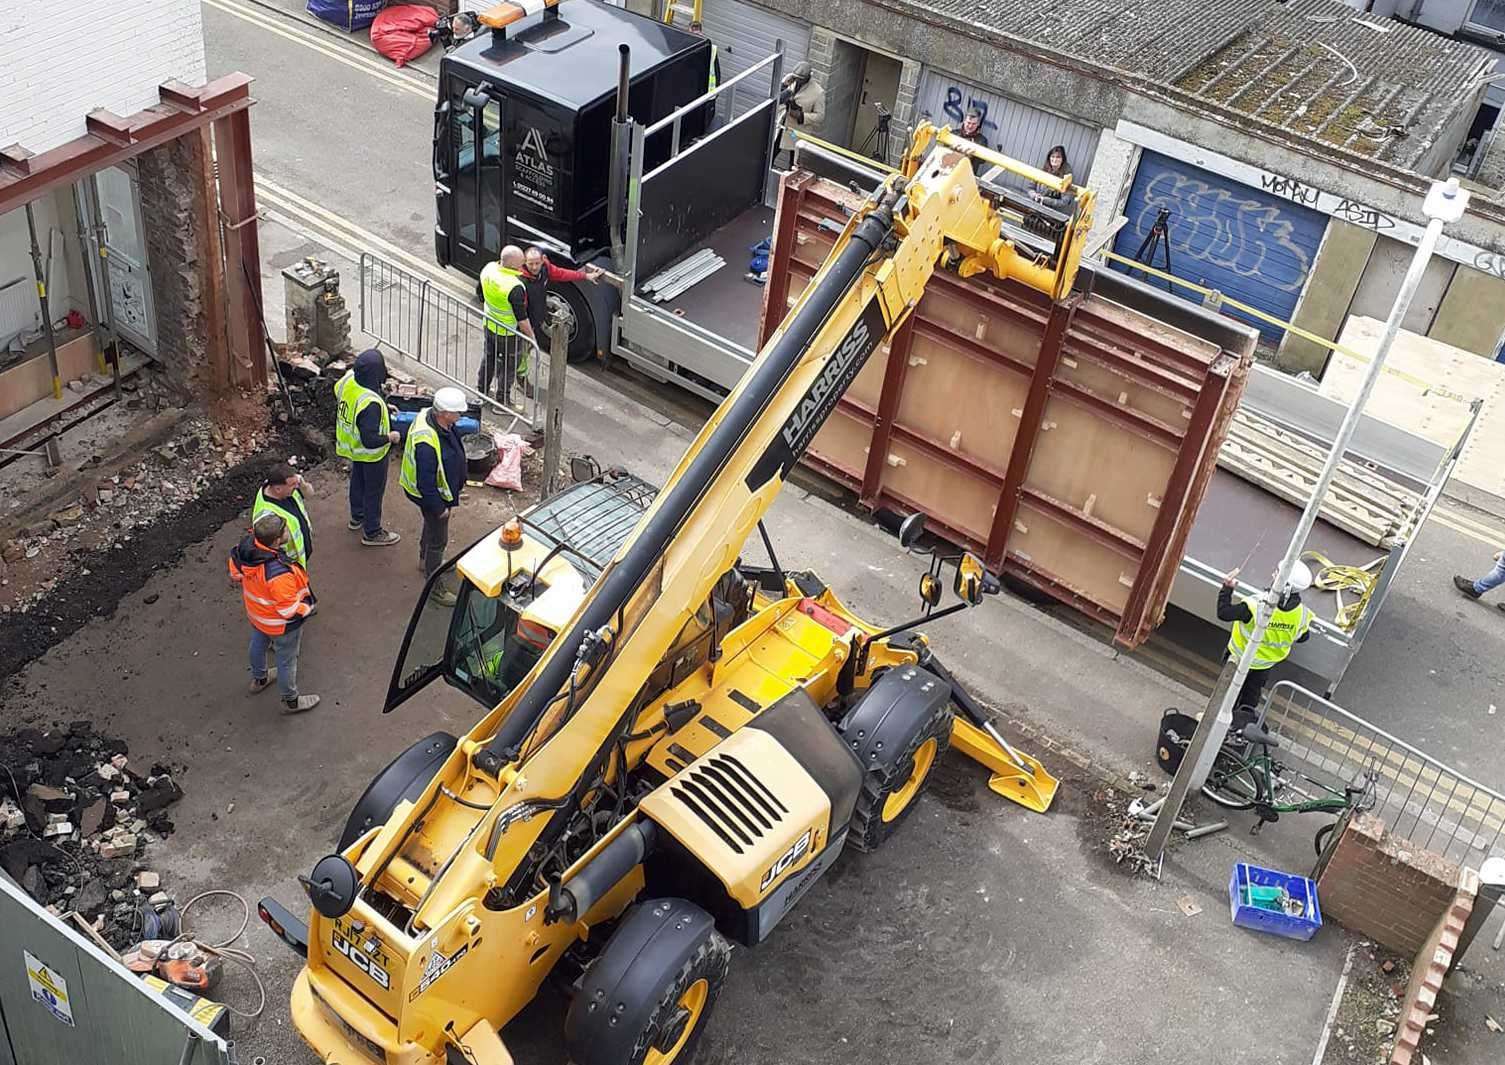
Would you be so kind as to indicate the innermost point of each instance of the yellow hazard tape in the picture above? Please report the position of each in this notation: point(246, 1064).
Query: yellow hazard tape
point(1427, 387)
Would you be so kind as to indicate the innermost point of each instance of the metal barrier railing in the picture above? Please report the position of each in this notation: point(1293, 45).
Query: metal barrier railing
point(447, 334)
point(1420, 799)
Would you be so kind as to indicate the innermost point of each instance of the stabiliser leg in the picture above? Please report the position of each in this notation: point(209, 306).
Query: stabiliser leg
point(1016, 775)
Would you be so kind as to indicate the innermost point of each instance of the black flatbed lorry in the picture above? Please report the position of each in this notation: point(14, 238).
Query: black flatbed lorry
point(539, 96)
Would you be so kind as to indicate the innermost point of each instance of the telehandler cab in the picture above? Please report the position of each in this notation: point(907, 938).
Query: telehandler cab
point(678, 744)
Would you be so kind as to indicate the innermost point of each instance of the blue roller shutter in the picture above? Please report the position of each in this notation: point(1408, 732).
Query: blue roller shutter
point(1249, 245)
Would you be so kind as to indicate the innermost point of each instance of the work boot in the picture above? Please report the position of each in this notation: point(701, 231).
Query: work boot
point(515, 399)
point(525, 385)
point(355, 524)
point(301, 704)
point(1466, 586)
point(443, 597)
point(384, 538)
point(261, 684)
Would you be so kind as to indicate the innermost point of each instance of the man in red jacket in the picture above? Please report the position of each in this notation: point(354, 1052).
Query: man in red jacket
point(538, 274)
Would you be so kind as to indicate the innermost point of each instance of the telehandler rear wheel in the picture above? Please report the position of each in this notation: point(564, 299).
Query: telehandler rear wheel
point(892, 786)
point(646, 999)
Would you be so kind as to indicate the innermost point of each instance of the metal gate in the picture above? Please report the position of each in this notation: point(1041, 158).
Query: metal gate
point(62, 999)
point(432, 324)
point(1245, 243)
point(744, 34)
point(1011, 126)
point(1325, 749)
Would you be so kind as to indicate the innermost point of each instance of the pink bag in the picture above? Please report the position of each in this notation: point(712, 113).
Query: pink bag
point(401, 33)
point(508, 471)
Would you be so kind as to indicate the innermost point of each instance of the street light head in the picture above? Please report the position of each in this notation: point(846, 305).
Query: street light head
point(1446, 201)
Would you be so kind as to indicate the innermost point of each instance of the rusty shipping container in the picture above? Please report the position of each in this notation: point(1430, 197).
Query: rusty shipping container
point(1070, 445)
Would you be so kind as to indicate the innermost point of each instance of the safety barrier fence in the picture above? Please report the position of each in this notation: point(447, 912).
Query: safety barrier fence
point(63, 999)
point(1420, 799)
point(446, 333)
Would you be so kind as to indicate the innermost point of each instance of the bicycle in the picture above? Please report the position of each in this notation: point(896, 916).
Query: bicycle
point(1245, 776)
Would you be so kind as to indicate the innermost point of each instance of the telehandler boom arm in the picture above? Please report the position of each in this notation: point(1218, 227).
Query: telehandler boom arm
point(873, 279)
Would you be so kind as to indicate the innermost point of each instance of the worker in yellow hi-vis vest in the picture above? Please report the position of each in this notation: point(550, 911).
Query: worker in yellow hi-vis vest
point(507, 325)
point(1290, 624)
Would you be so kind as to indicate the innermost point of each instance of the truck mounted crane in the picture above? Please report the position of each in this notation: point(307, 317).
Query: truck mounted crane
point(679, 750)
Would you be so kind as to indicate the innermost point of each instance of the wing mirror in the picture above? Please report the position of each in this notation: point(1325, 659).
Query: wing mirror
point(930, 589)
point(973, 581)
point(911, 529)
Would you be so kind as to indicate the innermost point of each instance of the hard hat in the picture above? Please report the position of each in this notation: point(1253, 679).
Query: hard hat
point(1301, 577)
point(450, 400)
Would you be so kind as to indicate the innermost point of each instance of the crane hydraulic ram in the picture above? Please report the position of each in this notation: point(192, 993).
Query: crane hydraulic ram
point(688, 743)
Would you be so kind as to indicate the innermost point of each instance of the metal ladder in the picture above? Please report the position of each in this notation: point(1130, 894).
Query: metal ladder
point(691, 11)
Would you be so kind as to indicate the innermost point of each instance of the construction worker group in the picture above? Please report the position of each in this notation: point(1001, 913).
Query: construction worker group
point(271, 563)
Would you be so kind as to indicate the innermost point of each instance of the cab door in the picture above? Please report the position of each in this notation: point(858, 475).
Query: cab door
point(468, 176)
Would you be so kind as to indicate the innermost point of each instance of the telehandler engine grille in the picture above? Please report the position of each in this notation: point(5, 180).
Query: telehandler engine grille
point(730, 800)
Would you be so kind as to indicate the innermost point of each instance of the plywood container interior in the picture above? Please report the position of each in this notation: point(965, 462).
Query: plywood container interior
point(1070, 444)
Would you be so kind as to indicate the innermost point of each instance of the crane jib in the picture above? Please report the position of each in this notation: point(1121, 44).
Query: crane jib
point(825, 391)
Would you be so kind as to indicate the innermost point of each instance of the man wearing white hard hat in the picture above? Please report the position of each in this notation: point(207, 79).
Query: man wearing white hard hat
point(1289, 625)
point(433, 472)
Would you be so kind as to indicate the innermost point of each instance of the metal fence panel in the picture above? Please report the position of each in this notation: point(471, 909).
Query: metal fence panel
point(1420, 798)
point(115, 1020)
point(446, 333)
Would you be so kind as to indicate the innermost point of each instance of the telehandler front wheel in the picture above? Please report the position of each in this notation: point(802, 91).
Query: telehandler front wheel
point(646, 999)
point(893, 785)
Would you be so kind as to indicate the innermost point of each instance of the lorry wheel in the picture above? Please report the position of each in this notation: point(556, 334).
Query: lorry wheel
point(646, 999)
point(580, 323)
point(892, 786)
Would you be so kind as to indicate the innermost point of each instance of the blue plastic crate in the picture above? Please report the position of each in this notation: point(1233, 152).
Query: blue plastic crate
point(1246, 915)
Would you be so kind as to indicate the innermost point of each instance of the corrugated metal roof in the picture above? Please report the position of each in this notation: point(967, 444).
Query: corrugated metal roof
point(1274, 62)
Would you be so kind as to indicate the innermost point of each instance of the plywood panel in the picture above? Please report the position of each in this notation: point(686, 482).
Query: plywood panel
point(961, 402)
point(1096, 571)
point(1427, 389)
point(25, 383)
point(843, 442)
point(1118, 388)
point(1069, 465)
point(966, 500)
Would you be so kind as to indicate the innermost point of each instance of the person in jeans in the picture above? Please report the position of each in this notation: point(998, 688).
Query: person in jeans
point(433, 475)
point(1493, 579)
point(282, 494)
point(363, 434)
point(277, 598)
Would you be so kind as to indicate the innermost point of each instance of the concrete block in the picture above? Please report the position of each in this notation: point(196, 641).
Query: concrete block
point(121, 846)
point(148, 881)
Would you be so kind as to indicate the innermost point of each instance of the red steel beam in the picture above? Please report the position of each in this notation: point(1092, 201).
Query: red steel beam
point(1177, 386)
point(1028, 433)
point(237, 208)
point(1096, 530)
point(113, 139)
point(776, 290)
point(1069, 594)
point(1136, 626)
point(888, 410)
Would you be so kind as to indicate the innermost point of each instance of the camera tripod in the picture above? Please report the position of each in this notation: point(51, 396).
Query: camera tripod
point(876, 144)
point(1157, 239)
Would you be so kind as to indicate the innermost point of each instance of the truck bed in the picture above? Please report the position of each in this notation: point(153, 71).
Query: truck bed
point(1241, 525)
point(727, 303)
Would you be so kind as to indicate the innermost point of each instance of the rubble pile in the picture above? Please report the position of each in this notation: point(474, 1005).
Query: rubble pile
point(108, 510)
point(76, 819)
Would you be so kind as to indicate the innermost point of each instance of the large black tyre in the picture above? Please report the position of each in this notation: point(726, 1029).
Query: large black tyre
point(892, 787)
point(1233, 785)
point(580, 321)
point(666, 989)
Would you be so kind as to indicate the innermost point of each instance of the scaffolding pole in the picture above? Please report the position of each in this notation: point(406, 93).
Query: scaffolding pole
point(1445, 203)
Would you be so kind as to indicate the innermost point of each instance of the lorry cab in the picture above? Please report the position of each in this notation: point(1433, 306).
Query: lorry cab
point(523, 134)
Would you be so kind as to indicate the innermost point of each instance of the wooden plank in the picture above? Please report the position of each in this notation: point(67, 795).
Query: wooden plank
point(31, 379)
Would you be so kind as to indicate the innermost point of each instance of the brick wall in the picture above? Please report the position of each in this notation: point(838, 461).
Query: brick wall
point(1385, 887)
point(1432, 963)
point(175, 212)
point(64, 60)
